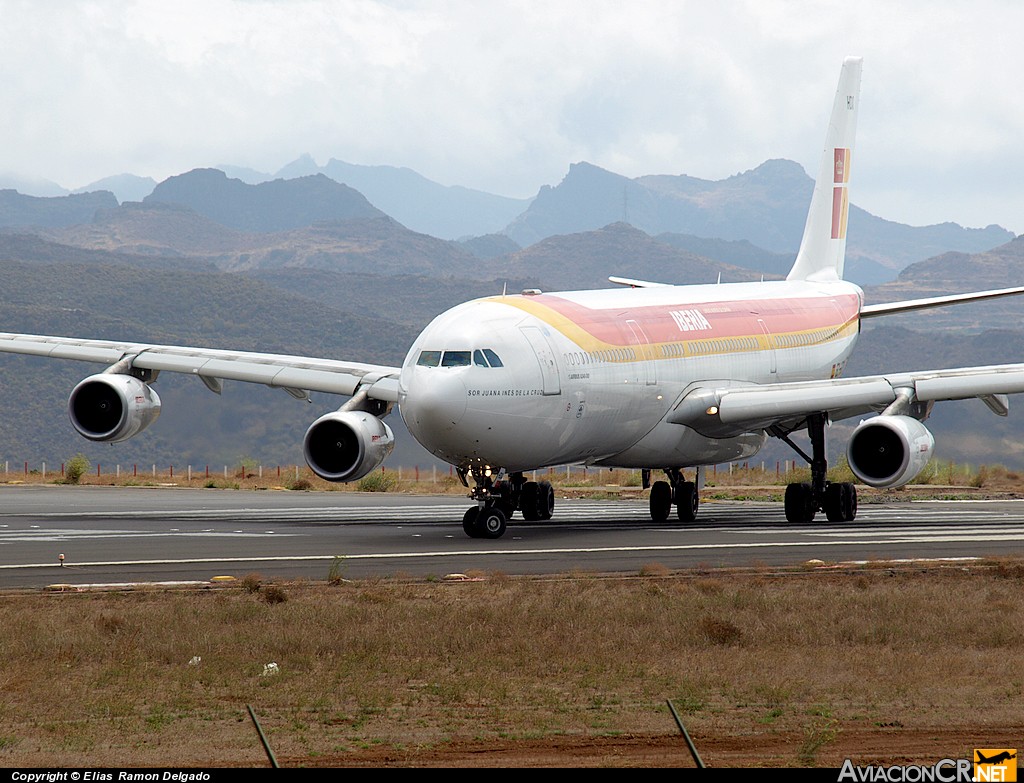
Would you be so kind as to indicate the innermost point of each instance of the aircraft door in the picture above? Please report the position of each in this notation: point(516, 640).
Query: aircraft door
point(648, 371)
point(770, 341)
point(545, 354)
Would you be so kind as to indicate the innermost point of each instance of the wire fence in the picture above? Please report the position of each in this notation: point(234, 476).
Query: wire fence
point(431, 474)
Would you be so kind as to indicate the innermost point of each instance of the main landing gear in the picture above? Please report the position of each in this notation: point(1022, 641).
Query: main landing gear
point(804, 500)
point(675, 492)
point(497, 500)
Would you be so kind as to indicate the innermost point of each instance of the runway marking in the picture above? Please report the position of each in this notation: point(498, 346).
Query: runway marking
point(518, 552)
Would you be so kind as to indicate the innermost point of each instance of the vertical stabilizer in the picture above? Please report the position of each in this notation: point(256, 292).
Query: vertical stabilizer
point(823, 247)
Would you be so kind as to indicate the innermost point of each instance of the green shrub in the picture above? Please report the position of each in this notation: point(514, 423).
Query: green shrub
point(77, 467)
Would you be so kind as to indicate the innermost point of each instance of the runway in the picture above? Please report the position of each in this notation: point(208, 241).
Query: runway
point(136, 534)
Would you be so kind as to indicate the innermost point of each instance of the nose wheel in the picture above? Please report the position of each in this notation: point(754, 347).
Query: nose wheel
point(497, 499)
point(485, 522)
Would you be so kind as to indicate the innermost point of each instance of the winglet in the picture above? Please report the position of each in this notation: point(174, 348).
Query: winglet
point(823, 247)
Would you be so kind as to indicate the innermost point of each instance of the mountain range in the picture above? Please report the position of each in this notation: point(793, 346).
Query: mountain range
point(311, 265)
point(764, 207)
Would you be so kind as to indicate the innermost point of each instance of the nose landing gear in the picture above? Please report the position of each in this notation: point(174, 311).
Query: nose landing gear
point(498, 499)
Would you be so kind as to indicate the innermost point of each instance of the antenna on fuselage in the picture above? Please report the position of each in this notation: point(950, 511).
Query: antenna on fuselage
point(504, 288)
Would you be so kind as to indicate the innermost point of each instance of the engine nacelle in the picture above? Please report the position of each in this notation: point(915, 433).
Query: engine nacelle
point(112, 407)
point(346, 445)
point(889, 451)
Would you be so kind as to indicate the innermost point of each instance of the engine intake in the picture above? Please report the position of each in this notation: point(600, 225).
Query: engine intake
point(346, 445)
point(112, 407)
point(889, 451)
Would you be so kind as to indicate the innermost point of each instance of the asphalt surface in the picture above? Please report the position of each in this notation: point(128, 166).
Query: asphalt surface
point(111, 535)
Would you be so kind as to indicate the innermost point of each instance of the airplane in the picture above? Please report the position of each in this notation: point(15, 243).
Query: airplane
point(999, 758)
point(644, 376)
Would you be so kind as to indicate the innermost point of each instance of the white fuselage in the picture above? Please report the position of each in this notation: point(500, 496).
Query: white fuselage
point(589, 376)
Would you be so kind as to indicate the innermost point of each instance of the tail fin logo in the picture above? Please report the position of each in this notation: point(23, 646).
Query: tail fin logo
point(842, 167)
point(840, 195)
point(840, 208)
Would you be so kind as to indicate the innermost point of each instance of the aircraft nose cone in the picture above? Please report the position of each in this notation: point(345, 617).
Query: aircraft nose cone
point(434, 405)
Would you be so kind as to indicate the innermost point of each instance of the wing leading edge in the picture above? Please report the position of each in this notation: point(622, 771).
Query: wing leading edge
point(725, 410)
point(214, 365)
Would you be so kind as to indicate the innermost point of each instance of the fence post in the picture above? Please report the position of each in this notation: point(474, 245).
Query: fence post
point(44, 470)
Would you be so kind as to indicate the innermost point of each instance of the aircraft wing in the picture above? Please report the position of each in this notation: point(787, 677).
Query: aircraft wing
point(724, 408)
point(293, 373)
point(890, 308)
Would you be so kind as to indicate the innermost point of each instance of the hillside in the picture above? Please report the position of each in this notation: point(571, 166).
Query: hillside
point(126, 187)
point(586, 259)
point(23, 211)
point(413, 300)
point(766, 206)
point(951, 273)
point(376, 244)
point(447, 212)
point(277, 205)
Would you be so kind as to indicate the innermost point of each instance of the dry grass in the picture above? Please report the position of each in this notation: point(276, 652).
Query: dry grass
point(163, 678)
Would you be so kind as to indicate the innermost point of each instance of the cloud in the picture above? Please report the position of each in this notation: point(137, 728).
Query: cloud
point(503, 96)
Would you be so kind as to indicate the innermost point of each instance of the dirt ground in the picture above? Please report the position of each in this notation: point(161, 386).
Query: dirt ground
point(862, 745)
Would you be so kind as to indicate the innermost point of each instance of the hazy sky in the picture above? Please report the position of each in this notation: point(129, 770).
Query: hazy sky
point(503, 96)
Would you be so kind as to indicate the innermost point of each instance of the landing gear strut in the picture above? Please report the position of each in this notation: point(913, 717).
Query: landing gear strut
point(496, 501)
point(678, 492)
point(804, 500)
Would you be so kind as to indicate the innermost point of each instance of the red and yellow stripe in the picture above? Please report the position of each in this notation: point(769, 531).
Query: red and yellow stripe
point(789, 323)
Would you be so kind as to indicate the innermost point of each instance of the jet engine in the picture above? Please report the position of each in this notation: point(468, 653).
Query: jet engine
point(889, 451)
point(112, 407)
point(346, 445)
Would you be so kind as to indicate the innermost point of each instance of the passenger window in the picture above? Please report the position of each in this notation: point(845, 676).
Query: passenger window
point(492, 357)
point(455, 359)
point(429, 359)
point(478, 358)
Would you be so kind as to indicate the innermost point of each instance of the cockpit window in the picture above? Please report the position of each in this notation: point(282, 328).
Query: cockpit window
point(429, 359)
point(455, 359)
point(484, 357)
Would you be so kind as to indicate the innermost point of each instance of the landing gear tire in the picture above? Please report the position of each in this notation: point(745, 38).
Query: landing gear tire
point(850, 504)
point(661, 501)
point(529, 501)
point(687, 501)
point(470, 522)
point(491, 523)
point(800, 503)
point(545, 500)
point(502, 494)
point(840, 502)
